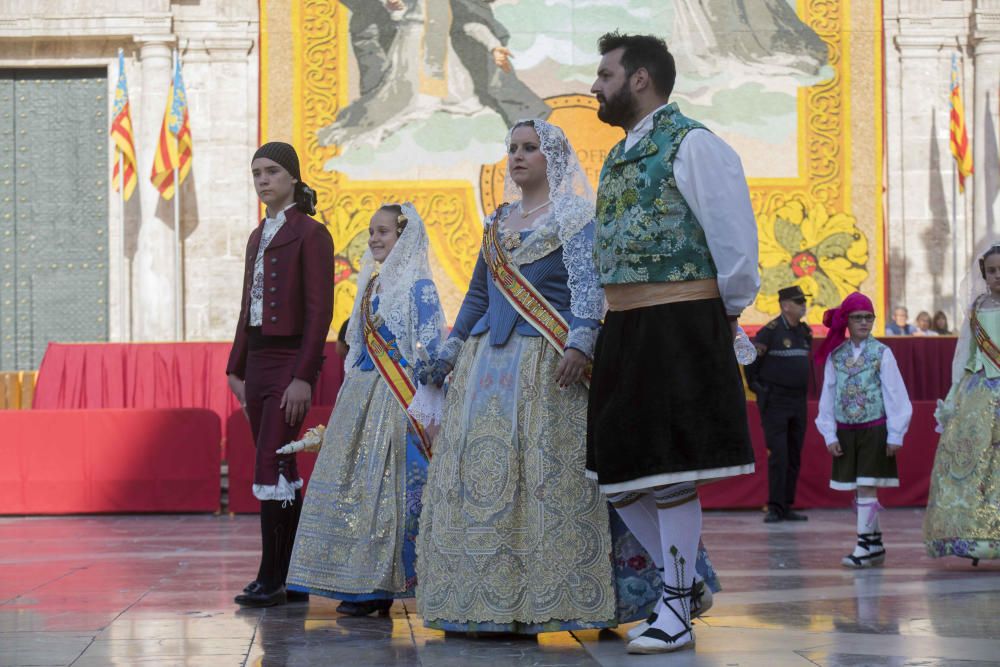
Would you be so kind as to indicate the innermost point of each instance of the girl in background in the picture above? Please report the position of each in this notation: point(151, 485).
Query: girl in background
point(963, 508)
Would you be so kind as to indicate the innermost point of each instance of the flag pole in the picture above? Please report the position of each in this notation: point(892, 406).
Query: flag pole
point(954, 239)
point(178, 275)
point(178, 271)
point(123, 287)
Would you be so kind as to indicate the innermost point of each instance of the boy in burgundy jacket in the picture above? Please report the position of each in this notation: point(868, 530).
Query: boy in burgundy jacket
point(277, 353)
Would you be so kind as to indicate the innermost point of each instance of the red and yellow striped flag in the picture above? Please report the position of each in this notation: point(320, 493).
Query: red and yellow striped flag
point(173, 150)
point(958, 137)
point(121, 134)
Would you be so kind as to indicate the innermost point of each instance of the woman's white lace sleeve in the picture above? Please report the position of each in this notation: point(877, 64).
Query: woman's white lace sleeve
point(586, 294)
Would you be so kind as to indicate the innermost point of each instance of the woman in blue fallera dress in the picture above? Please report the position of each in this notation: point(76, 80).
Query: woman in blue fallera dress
point(513, 537)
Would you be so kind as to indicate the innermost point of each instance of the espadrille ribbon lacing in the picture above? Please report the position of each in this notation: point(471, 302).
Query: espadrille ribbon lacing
point(872, 544)
point(677, 601)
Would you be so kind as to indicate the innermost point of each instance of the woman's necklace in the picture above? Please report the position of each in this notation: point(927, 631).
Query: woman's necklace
point(525, 214)
point(511, 238)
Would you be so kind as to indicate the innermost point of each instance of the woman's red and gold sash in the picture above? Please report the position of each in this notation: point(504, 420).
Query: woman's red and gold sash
point(522, 295)
point(387, 359)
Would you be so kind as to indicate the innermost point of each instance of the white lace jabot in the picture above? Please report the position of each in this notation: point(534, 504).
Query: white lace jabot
point(271, 227)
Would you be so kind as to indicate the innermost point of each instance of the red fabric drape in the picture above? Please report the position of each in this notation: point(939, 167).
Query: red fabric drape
point(149, 375)
point(152, 375)
point(82, 461)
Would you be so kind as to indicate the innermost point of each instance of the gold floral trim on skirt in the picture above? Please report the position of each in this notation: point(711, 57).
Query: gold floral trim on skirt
point(511, 530)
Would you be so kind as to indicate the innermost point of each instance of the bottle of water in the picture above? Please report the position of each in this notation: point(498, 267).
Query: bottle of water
point(746, 353)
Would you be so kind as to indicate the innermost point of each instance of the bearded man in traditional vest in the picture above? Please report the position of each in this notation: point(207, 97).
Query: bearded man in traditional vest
point(676, 251)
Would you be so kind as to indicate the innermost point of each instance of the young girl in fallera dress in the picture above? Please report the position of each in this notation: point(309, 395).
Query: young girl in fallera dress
point(356, 536)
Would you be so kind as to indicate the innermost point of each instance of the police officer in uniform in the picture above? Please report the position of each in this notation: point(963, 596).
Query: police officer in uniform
point(780, 378)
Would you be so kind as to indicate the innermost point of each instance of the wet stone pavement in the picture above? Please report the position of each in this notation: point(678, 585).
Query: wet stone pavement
point(157, 590)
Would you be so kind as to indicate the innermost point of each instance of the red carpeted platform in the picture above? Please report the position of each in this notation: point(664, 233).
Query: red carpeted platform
point(152, 375)
point(88, 461)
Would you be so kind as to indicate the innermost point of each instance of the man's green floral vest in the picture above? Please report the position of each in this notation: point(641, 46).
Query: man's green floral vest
point(859, 383)
point(645, 230)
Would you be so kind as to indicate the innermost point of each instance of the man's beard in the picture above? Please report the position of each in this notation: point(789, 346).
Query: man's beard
point(618, 109)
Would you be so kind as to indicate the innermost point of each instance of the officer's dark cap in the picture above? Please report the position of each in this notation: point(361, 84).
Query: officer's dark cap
point(789, 293)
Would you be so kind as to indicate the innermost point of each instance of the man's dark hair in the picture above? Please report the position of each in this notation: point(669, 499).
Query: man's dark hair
point(645, 51)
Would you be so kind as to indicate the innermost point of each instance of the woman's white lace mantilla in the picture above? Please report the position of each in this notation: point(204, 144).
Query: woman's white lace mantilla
point(573, 207)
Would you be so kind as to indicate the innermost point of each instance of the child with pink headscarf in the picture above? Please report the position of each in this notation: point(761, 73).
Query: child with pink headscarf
point(864, 412)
